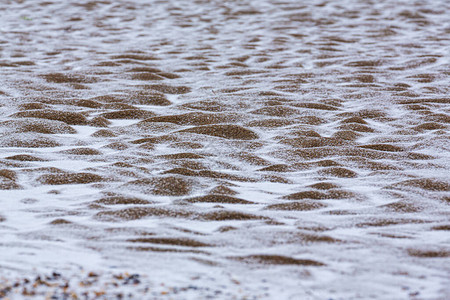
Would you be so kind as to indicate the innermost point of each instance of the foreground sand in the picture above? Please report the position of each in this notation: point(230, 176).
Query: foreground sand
point(237, 150)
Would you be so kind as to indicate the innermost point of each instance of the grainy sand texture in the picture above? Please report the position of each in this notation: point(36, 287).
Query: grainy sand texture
point(206, 149)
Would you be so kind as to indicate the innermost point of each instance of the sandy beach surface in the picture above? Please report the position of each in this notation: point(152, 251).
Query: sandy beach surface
point(206, 149)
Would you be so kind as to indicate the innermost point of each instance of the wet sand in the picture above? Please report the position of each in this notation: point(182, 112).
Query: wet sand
point(237, 150)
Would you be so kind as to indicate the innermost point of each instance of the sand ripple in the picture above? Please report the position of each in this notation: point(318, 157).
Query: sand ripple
point(225, 149)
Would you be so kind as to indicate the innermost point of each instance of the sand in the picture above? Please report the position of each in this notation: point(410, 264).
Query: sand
point(224, 149)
